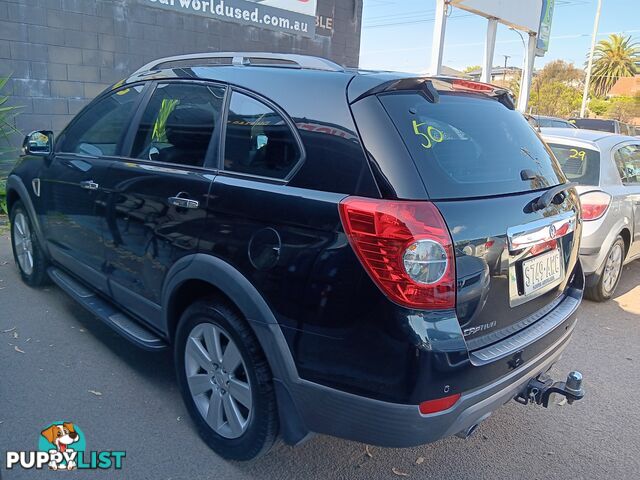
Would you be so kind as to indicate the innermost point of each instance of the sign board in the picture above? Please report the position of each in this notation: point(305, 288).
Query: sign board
point(297, 17)
point(519, 14)
point(544, 31)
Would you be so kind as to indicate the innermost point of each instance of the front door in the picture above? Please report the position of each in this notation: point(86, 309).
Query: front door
point(156, 198)
point(71, 184)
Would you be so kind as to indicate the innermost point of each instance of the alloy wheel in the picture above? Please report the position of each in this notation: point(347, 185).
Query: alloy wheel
point(612, 269)
point(23, 243)
point(218, 380)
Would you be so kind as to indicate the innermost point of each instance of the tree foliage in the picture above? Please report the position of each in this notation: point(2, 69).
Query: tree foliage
point(598, 106)
point(624, 109)
point(561, 71)
point(7, 115)
point(613, 58)
point(556, 90)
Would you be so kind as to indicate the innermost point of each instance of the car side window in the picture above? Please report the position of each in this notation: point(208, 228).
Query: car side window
point(258, 140)
point(627, 160)
point(178, 123)
point(98, 130)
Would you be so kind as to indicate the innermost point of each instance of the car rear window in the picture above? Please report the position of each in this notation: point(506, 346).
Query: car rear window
point(552, 122)
point(580, 165)
point(595, 124)
point(466, 145)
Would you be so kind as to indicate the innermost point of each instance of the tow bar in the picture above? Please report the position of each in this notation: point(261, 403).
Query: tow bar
point(540, 389)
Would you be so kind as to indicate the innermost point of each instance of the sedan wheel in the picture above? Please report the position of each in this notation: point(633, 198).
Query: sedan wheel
point(612, 269)
point(603, 286)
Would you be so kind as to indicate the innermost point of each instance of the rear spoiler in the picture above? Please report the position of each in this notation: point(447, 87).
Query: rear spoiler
point(430, 87)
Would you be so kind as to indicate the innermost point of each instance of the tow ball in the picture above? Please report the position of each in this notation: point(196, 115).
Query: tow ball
point(539, 390)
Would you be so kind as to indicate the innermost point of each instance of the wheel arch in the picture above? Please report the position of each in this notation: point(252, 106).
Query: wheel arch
point(17, 191)
point(625, 233)
point(12, 197)
point(201, 275)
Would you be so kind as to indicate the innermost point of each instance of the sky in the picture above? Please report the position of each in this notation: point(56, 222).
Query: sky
point(397, 34)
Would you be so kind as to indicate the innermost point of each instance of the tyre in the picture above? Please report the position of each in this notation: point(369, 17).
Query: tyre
point(225, 381)
point(29, 257)
point(606, 285)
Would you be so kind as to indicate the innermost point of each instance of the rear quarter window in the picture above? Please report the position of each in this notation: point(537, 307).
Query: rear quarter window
point(580, 165)
point(468, 145)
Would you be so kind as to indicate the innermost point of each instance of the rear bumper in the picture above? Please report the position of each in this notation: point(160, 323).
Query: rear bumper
point(329, 411)
point(592, 259)
point(597, 238)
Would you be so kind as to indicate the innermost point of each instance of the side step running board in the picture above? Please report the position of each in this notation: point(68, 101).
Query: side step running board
point(108, 313)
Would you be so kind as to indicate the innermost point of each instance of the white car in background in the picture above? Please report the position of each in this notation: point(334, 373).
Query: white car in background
point(606, 167)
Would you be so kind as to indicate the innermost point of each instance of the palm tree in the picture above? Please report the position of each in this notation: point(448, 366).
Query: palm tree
point(613, 58)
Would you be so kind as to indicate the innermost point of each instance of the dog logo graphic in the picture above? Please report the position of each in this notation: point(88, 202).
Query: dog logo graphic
point(62, 436)
point(62, 446)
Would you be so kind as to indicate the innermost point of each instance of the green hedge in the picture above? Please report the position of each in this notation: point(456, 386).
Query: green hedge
point(3, 196)
point(7, 128)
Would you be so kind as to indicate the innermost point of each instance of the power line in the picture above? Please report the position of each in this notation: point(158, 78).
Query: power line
point(428, 20)
point(429, 15)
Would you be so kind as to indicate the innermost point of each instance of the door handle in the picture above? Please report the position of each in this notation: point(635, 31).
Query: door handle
point(183, 202)
point(89, 185)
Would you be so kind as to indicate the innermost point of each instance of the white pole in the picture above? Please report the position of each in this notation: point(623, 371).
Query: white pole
point(527, 75)
point(437, 48)
point(585, 94)
point(489, 49)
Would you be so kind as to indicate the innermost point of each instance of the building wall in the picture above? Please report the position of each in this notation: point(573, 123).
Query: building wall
point(62, 53)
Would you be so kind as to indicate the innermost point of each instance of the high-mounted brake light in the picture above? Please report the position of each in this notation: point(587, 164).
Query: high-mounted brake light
point(405, 247)
point(439, 404)
point(594, 204)
point(460, 84)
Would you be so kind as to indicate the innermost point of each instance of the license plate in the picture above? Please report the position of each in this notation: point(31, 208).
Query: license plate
point(540, 271)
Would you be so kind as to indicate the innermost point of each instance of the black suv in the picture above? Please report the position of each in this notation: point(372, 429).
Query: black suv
point(360, 254)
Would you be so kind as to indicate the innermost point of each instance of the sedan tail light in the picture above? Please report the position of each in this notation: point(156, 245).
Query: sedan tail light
point(594, 204)
point(406, 249)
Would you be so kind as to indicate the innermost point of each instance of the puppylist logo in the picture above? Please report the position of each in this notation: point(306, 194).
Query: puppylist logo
point(62, 446)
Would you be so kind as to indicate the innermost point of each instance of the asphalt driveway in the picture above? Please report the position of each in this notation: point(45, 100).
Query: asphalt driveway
point(58, 362)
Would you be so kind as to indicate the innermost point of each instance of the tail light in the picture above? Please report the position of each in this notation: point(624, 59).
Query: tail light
point(406, 249)
point(594, 204)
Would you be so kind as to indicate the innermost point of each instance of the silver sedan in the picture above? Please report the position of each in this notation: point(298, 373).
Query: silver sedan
point(606, 167)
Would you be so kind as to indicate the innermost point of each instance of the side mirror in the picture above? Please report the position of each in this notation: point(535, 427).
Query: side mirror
point(39, 143)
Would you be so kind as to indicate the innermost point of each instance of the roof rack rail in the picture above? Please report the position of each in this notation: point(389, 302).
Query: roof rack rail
point(248, 59)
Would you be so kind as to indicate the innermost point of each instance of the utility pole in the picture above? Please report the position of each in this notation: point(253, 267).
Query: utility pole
point(504, 73)
point(587, 81)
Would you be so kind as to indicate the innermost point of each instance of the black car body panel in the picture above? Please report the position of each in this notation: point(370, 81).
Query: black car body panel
point(340, 350)
point(485, 259)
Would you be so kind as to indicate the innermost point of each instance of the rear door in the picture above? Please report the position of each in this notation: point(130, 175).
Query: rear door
point(485, 168)
point(156, 198)
point(72, 183)
point(627, 160)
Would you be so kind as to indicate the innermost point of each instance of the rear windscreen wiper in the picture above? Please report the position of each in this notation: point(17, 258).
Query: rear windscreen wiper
point(545, 200)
